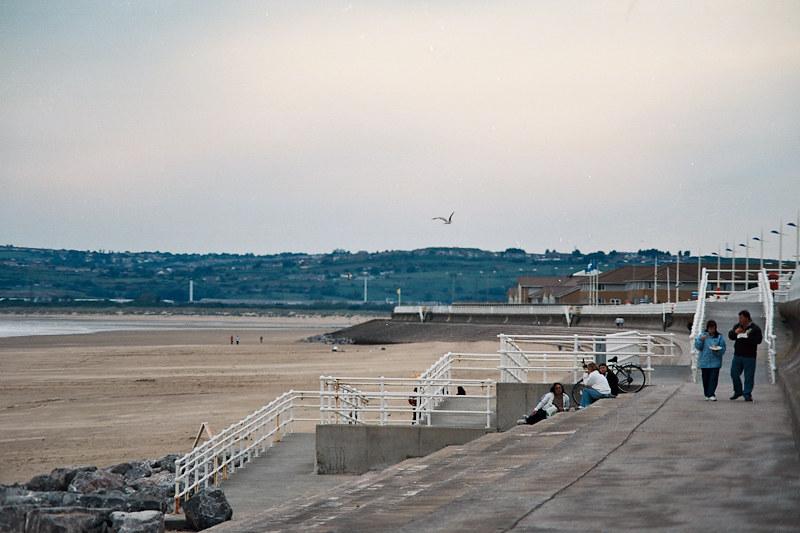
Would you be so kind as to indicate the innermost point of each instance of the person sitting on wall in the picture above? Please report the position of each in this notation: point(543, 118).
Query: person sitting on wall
point(611, 377)
point(551, 403)
point(595, 386)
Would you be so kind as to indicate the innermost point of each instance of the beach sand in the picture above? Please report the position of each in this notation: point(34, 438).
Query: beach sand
point(109, 397)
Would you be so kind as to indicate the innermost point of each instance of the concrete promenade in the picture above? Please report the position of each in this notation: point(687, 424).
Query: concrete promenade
point(663, 459)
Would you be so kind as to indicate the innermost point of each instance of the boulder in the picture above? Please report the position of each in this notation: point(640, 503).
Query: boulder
point(207, 508)
point(22, 496)
point(94, 480)
point(120, 501)
point(160, 485)
point(12, 517)
point(132, 470)
point(62, 477)
point(140, 522)
point(45, 483)
point(67, 520)
point(167, 462)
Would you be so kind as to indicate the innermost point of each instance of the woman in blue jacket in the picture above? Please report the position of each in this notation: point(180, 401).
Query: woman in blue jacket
point(711, 346)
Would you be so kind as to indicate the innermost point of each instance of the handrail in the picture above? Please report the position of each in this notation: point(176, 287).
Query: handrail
point(767, 299)
point(698, 320)
point(237, 444)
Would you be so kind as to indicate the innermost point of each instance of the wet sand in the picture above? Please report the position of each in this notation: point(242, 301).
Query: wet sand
point(109, 397)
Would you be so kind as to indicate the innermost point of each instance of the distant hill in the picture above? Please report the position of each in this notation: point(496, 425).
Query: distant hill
point(425, 275)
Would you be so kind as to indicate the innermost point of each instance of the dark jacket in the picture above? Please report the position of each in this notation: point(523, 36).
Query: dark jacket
point(747, 345)
point(613, 382)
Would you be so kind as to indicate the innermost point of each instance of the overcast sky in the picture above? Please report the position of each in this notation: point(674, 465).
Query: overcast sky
point(308, 126)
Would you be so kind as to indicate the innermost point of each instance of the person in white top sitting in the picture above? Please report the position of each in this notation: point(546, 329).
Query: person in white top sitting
point(555, 401)
point(595, 386)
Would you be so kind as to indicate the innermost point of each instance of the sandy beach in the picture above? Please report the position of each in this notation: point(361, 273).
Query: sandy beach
point(107, 397)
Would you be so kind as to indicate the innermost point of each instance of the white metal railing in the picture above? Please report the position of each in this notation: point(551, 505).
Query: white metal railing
point(394, 401)
point(216, 459)
point(698, 320)
point(766, 298)
point(518, 361)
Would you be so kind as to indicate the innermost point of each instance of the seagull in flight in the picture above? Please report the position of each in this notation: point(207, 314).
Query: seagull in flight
point(448, 220)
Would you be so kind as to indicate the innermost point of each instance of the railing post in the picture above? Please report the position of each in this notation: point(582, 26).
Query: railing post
point(383, 403)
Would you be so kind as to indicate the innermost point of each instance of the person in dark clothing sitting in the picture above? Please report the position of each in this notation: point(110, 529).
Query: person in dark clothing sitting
point(746, 336)
point(612, 379)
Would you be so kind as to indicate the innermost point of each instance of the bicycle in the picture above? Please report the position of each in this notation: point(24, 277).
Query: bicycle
point(631, 378)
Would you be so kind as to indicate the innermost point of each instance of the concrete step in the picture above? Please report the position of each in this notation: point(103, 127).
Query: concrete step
point(440, 417)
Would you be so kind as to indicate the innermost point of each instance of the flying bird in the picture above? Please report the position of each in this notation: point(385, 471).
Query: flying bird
point(448, 220)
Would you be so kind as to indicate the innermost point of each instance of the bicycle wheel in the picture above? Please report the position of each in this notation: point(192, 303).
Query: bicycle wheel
point(631, 378)
point(577, 392)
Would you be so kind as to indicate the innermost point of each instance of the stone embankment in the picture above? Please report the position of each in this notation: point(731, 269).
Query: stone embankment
point(131, 497)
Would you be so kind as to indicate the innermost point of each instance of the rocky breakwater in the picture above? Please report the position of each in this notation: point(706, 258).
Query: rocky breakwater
point(125, 498)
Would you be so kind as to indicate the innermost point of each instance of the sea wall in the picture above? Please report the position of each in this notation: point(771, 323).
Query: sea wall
point(789, 362)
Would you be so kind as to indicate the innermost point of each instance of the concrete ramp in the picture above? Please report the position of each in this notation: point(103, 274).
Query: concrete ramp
point(286, 471)
point(663, 459)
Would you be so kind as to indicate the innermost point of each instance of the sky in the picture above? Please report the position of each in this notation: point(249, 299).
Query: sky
point(262, 127)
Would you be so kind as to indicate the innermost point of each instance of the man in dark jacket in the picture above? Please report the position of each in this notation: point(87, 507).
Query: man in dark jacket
point(746, 336)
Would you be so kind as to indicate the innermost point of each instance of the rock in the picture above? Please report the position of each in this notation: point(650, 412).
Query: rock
point(119, 501)
point(67, 520)
point(91, 481)
point(64, 476)
point(160, 485)
point(132, 470)
point(22, 496)
point(167, 462)
point(140, 522)
point(12, 517)
point(207, 508)
point(44, 483)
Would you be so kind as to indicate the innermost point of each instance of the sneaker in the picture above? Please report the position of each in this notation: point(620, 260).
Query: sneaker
point(712, 398)
point(736, 396)
point(748, 398)
point(521, 422)
point(706, 398)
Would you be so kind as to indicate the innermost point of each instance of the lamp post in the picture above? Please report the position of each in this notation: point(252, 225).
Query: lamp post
point(760, 240)
point(796, 226)
point(746, 265)
point(779, 233)
point(719, 257)
point(733, 266)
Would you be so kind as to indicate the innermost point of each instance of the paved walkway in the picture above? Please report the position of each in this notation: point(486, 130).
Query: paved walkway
point(662, 459)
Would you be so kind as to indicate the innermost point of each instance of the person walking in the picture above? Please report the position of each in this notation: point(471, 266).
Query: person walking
point(711, 347)
point(746, 336)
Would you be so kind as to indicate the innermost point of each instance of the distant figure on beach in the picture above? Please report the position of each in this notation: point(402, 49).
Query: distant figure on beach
point(237, 339)
point(231, 339)
point(613, 380)
point(595, 386)
point(551, 403)
point(746, 336)
point(620, 322)
point(261, 339)
point(711, 347)
point(460, 391)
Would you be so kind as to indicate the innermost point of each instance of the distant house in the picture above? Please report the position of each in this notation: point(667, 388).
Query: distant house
point(642, 284)
point(544, 290)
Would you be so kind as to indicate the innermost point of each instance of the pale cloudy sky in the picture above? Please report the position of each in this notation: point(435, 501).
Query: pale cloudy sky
point(308, 126)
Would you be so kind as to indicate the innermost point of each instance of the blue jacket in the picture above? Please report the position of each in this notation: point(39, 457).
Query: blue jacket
point(709, 358)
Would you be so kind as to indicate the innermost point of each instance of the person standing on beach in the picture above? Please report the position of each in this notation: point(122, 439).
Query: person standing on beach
point(747, 337)
point(231, 340)
point(237, 339)
point(711, 347)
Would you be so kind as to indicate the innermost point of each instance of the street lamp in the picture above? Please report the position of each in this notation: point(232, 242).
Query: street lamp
point(780, 252)
point(761, 242)
point(719, 257)
point(746, 264)
point(733, 266)
point(796, 226)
